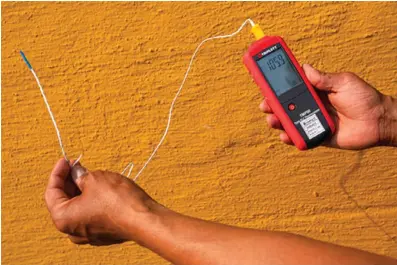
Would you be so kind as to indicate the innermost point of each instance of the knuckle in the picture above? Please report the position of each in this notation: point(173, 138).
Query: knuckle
point(62, 225)
point(97, 173)
point(78, 240)
point(45, 197)
point(48, 200)
point(325, 78)
point(73, 240)
point(347, 77)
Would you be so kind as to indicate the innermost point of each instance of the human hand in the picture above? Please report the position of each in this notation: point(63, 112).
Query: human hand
point(357, 108)
point(101, 208)
point(112, 208)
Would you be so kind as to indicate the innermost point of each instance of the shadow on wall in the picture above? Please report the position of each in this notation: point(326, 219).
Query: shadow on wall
point(342, 182)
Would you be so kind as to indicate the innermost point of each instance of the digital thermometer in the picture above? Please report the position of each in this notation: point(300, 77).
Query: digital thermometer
point(288, 92)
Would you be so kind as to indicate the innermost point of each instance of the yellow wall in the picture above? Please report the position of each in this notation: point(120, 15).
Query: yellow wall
point(110, 71)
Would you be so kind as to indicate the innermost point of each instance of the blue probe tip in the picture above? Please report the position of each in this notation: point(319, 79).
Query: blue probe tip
point(25, 60)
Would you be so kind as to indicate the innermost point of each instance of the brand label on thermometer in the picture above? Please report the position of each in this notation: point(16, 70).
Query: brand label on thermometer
point(312, 126)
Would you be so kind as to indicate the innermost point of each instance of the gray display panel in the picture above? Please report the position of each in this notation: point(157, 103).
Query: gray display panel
point(279, 72)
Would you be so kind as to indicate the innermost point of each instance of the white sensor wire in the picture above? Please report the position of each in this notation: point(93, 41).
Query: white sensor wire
point(52, 116)
point(131, 165)
point(180, 89)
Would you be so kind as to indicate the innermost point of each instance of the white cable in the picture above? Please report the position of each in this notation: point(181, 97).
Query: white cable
point(180, 89)
point(77, 160)
point(122, 172)
point(131, 166)
point(51, 115)
point(130, 171)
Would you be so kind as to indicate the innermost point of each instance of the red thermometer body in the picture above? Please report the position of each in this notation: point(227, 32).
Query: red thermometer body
point(288, 92)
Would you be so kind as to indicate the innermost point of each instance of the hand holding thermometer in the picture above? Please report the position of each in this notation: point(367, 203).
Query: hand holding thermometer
point(287, 91)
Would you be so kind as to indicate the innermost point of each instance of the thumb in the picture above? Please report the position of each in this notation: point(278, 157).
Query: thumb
point(78, 173)
point(322, 81)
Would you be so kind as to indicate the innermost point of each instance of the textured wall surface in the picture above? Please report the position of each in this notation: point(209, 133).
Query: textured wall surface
point(110, 71)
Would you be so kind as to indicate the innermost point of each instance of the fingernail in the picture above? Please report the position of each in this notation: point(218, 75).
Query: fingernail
point(77, 171)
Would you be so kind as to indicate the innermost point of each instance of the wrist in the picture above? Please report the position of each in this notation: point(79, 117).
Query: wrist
point(141, 225)
point(169, 234)
point(388, 122)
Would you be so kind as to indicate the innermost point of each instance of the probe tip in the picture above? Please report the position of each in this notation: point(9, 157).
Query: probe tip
point(25, 60)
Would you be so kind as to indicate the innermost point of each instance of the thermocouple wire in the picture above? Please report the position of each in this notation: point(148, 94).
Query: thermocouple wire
point(181, 86)
point(47, 105)
point(131, 165)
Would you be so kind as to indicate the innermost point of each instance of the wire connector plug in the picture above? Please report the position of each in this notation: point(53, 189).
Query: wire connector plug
point(257, 31)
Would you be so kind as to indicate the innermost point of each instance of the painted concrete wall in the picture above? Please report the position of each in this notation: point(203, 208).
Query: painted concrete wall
point(110, 71)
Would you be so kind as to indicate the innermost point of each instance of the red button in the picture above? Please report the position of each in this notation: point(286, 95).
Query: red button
point(291, 106)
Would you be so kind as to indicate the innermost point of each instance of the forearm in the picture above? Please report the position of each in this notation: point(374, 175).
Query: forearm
point(185, 240)
point(388, 122)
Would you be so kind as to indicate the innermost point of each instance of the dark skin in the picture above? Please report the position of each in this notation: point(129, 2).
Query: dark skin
point(101, 207)
point(364, 117)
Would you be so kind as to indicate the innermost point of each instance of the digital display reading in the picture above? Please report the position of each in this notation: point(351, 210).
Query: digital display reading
point(279, 71)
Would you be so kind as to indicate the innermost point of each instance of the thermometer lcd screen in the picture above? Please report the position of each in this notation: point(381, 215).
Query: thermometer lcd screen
point(279, 72)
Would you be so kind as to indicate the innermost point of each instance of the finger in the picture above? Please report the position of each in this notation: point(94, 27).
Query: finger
point(327, 104)
point(55, 192)
point(103, 240)
point(322, 81)
point(78, 239)
point(78, 174)
point(285, 138)
point(333, 140)
point(274, 122)
point(71, 188)
point(106, 242)
point(265, 107)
